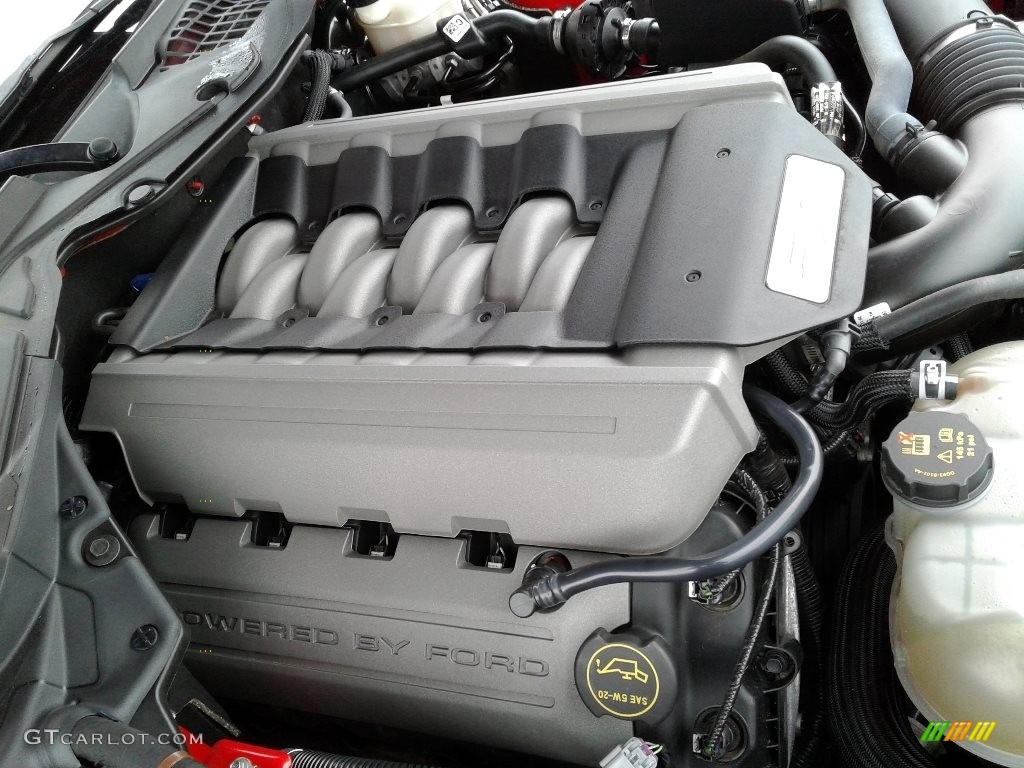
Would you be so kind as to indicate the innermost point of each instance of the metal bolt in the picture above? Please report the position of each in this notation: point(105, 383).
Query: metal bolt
point(73, 507)
point(382, 320)
point(597, 205)
point(486, 317)
point(792, 541)
point(773, 663)
point(241, 762)
point(103, 550)
point(145, 637)
point(693, 277)
point(724, 152)
point(140, 194)
point(492, 213)
point(399, 218)
point(103, 150)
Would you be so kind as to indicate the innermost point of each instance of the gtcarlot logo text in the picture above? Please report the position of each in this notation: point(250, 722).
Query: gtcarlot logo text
point(53, 736)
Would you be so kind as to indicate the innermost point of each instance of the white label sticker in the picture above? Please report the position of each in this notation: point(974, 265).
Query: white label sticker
point(456, 28)
point(803, 250)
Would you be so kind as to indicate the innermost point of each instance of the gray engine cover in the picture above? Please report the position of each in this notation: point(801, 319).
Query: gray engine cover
point(427, 378)
point(580, 450)
point(420, 641)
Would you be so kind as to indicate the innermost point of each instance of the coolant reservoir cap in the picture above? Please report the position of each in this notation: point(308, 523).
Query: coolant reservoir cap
point(936, 459)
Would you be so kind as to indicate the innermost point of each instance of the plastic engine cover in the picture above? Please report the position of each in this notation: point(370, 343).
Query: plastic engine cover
point(527, 316)
point(419, 640)
point(578, 450)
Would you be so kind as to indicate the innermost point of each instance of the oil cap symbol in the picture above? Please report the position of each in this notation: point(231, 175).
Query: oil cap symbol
point(627, 669)
point(625, 676)
point(936, 459)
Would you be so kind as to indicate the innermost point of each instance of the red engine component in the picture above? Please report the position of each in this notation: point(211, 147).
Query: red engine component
point(224, 752)
point(1012, 8)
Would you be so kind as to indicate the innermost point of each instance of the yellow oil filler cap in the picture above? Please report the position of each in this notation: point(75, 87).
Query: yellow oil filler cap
point(626, 676)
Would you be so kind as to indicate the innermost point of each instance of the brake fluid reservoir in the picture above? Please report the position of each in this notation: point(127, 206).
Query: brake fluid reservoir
point(956, 471)
point(391, 23)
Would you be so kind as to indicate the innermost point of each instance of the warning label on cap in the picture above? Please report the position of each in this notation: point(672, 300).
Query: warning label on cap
point(948, 445)
point(622, 680)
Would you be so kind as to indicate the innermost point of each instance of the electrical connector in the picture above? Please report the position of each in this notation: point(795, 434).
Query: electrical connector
point(635, 753)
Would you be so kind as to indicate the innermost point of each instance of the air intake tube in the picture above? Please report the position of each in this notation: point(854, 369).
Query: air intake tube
point(891, 73)
point(968, 82)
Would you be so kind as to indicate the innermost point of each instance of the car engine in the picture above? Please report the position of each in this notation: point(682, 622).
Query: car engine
point(620, 383)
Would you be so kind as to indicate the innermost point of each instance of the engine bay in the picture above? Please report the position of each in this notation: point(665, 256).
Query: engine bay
point(630, 384)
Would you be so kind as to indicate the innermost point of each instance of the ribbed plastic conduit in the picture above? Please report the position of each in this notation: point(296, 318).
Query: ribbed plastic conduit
point(971, 74)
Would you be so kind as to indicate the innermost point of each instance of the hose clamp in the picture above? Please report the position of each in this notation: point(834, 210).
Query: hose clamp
point(173, 759)
point(624, 28)
point(558, 29)
point(934, 382)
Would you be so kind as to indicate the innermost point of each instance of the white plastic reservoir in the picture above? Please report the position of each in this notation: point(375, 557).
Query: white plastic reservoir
point(391, 23)
point(958, 601)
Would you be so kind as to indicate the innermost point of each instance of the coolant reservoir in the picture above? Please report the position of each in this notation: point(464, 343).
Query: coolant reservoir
point(391, 23)
point(956, 471)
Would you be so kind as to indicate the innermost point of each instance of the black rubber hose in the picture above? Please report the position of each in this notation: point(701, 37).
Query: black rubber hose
point(324, 20)
point(508, 23)
point(390, 63)
point(972, 84)
point(836, 344)
point(948, 302)
point(310, 758)
point(796, 51)
point(917, 30)
point(978, 229)
point(108, 744)
point(864, 710)
point(555, 589)
point(892, 76)
point(339, 104)
point(494, 27)
point(815, 67)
